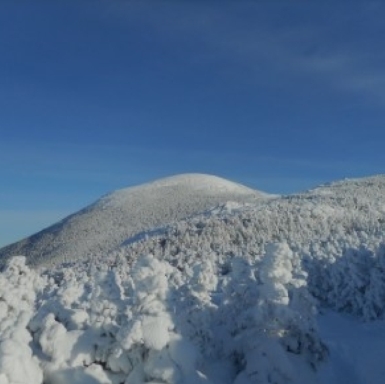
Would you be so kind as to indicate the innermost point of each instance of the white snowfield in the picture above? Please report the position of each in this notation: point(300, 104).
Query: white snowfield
point(253, 290)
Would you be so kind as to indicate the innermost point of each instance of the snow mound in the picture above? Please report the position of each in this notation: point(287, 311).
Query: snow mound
point(104, 225)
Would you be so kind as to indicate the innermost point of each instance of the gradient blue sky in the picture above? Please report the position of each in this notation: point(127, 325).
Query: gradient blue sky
point(100, 95)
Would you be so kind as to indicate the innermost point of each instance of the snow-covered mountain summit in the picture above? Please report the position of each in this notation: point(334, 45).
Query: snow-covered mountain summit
point(104, 225)
point(197, 182)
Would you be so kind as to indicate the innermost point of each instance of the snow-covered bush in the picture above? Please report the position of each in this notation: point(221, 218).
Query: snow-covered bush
point(117, 321)
point(354, 282)
point(155, 321)
point(18, 288)
point(273, 319)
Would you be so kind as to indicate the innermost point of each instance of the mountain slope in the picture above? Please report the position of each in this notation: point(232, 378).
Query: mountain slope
point(337, 233)
point(102, 226)
point(351, 210)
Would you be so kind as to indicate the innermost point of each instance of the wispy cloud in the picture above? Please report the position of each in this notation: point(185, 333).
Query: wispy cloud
point(339, 47)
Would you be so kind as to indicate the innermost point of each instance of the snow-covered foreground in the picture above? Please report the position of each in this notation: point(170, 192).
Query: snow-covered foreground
point(282, 290)
point(356, 349)
point(149, 322)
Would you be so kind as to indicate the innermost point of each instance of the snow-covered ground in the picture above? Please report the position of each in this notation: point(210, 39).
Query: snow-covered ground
point(252, 289)
point(356, 349)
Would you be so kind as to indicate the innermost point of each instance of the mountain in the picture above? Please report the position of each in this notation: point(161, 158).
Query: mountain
point(243, 288)
point(104, 225)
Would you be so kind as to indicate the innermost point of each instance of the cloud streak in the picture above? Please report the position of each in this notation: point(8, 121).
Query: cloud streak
point(340, 48)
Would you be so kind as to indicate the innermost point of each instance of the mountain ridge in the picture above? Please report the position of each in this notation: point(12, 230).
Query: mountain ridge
point(114, 217)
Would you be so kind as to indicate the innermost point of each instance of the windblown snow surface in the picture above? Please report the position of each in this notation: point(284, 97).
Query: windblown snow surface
point(276, 290)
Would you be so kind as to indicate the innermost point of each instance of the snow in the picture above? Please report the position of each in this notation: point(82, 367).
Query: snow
point(195, 182)
point(289, 289)
point(147, 321)
point(357, 349)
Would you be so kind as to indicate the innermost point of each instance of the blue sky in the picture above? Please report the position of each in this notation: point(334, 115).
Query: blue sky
point(100, 95)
